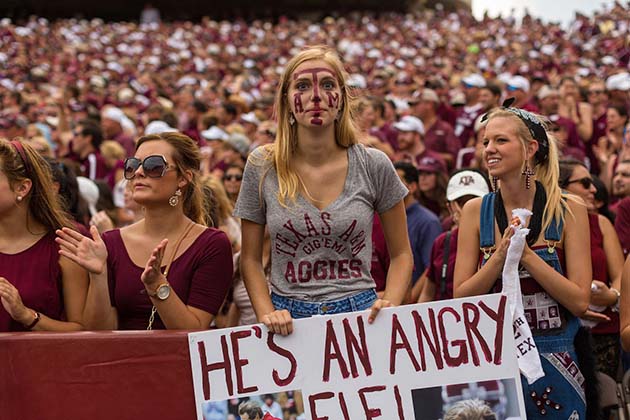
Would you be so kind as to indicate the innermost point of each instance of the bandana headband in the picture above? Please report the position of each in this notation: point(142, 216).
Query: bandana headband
point(533, 124)
point(20, 149)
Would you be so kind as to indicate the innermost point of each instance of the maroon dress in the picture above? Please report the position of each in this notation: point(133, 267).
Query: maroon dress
point(201, 278)
point(600, 272)
point(36, 273)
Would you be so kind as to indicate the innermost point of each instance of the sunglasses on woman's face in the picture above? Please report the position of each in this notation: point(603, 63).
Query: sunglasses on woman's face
point(154, 166)
point(586, 182)
point(234, 177)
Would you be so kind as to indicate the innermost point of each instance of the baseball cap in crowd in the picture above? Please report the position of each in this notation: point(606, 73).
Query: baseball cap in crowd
point(410, 123)
point(466, 183)
point(474, 80)
point(239, 142)
point(214, 133)
point(429, 95)
point(431, 164)
point(546, 91)
point(156, 127)
point(619, 81)
point(250, 117)
point(518, 82)
point(458, 99)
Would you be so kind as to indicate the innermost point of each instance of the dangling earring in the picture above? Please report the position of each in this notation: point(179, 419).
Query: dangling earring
point(291, 119)
point(338, 116)
point(174, 200)
point(528, 173)
point(495, 183)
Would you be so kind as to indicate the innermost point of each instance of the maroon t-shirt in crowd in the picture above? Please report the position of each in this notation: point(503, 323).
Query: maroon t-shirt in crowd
point(92, 166)
point(441, 138)
point(380, 255)
point(434, 274)
point(622, 224)
point(600, 272)
point(599, 130)
point(36, 274)
point(201, 277)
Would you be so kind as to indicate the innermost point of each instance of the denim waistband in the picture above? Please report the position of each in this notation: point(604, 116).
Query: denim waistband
point(300, 308)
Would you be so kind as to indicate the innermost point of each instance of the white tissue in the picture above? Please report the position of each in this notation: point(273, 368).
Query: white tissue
point(528, 358)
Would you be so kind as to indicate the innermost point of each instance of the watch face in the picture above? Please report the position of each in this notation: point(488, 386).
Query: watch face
point(163, 291)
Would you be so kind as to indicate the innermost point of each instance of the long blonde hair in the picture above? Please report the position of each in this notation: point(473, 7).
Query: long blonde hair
point(547, 172)
point(280, 153)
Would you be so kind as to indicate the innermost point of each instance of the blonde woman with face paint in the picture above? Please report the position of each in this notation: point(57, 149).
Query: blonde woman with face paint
point(555, 270)
point(317, 189)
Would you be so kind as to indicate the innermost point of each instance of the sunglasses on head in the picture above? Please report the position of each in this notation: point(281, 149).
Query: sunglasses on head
point(234, 177)
point(586, 182)
point(154, 166)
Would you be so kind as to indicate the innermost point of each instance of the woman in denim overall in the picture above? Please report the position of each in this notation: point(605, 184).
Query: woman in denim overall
point(523, 158)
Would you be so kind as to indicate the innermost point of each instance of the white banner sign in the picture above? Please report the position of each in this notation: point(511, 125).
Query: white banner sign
point(413, 362)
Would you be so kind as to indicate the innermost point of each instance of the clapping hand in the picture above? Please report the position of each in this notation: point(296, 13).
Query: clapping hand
point(152, 273)
point(90, 254)
point(12, 302)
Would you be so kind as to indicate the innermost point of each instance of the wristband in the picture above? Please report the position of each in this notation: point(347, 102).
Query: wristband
point(30, 326)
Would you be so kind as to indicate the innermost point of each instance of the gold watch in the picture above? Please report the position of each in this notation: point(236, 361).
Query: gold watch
point(162, 292)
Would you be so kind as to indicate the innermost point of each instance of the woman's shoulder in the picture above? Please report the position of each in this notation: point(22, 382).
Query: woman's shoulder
point(111, 236)
point(210, 236)
point(370, 154)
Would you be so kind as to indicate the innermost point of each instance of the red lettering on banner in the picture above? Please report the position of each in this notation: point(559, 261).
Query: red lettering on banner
point(471, 326)
point(370, 413)
point(352, 347)
point(287, 355)
point(206, 368)
point(462, 356)
point(325, 220)
point(239, 363)
point(312, 399)
point(332, 351)
point(343, 406)
point(498, 317)
point(397, 331)
point(401, 412)
point(433, 342)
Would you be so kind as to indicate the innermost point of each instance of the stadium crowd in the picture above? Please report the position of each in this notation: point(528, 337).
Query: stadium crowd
point(81, 97)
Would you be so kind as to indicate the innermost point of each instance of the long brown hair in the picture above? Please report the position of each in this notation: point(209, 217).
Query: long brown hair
point(185, 158)
point(43, 204)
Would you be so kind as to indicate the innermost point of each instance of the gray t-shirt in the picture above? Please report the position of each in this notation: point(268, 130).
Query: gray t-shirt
point(322, 255)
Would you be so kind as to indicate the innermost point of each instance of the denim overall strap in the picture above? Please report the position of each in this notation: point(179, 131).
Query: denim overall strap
point(486, 223)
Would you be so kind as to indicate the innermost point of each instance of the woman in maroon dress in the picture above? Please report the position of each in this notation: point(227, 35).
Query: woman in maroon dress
point(167, 270)
point(607, 262)
point(39, 290)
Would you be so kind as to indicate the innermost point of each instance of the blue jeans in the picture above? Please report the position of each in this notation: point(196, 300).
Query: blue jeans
point(303, 309)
